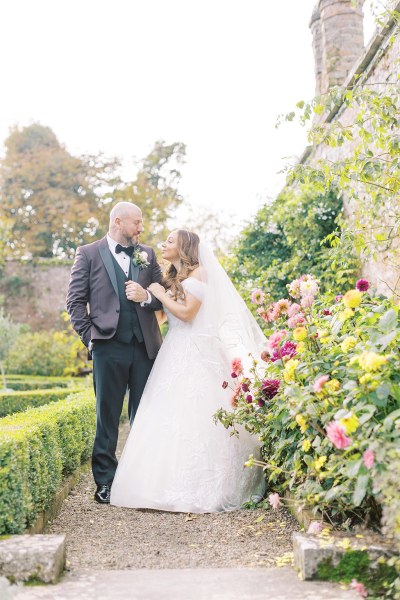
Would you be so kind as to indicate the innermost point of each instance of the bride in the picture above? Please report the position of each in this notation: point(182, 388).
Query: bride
point(176, 458)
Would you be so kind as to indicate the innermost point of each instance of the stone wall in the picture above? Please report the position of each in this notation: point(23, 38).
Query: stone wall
point(35, 293)
point(378, 63)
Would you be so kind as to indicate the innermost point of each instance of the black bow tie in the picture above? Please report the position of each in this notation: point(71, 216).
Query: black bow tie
point(128, 250)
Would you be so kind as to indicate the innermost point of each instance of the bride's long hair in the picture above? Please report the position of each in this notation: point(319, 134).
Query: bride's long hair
point(188, 249)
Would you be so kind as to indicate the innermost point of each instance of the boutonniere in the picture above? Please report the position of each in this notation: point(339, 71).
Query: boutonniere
point(139, 259)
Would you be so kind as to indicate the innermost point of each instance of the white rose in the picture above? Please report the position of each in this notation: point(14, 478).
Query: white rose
point(143, 255)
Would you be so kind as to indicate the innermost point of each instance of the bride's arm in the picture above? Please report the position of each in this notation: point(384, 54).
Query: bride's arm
point(185, 311)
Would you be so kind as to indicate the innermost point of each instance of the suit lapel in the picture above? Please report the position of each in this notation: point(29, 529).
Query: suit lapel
point(134, 272)
point(108, 263)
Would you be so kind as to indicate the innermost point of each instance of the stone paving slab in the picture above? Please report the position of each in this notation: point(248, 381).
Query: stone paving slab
point(27, 557)
point(184, 584)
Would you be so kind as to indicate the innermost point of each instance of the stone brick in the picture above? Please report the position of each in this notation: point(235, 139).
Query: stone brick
point(30, 557)
point(310, 551)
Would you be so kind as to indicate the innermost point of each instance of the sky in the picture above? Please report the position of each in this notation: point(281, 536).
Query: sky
point(117, 75)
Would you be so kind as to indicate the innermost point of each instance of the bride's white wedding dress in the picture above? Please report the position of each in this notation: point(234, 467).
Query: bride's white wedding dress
point(176, 458)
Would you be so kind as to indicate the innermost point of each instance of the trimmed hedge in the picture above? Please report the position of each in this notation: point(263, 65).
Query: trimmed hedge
point(25, 386)
point(37, 449)
point(18, 401)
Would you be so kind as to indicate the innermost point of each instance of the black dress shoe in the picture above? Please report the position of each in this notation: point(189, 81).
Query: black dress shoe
point(102, 494)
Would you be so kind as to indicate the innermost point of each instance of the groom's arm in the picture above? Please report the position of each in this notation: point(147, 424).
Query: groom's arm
point(78, 296)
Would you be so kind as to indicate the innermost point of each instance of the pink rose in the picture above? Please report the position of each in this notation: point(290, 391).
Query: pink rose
point(293, 309)
point(282, 306)
point(307, 301)
point(320, 382)
point(257, 296)
point(296, 320)
point(337, 435)
point(359, 587)
point(369, 458)
point(237, 366)
point(275, 339)
point(274, 500)
point(315, 527)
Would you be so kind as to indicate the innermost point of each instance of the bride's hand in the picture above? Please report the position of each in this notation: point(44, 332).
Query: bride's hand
point(157, 290)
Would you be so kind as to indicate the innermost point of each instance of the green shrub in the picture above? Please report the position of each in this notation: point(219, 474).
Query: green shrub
point(286, 236)
point(51, 353)
point(33, 384)
point(18, 401)
point(37, 449)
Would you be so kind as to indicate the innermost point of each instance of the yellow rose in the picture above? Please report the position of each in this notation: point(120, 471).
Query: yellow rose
point(290, 367)
point(371, 361)
point(326, 340)
point(306, 445)
point(333, 385)
point(319, 463)
point(299, 334)
point(301, 347)
point(322, 333)
point(365, 378)
point(348, 343)
point(346, 314)
point(352, 298)
point(300, 420)
point(350, 423)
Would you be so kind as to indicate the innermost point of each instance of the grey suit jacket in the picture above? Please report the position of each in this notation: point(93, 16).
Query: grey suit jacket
point(93, 284)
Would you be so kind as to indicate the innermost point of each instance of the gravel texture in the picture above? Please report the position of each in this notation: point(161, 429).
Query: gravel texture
point(109, 537)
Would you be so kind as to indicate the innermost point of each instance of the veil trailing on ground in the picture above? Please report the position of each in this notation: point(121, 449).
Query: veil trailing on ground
point(224, 326)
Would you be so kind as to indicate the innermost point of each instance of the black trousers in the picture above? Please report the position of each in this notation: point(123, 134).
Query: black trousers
point(116, 367)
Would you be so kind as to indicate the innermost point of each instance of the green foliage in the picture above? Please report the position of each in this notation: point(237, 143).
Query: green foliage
point(9, 332)
point(37, 449)
point(362, 121)
point(19, 401)
point(356, 564)
point(49, 197)
point(285, 238)
point(353, 343)
point(27, 384)
point(48, 353)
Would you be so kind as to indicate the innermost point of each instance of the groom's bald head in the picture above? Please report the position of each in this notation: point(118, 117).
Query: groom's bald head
point(123, 210)
point(126, 223)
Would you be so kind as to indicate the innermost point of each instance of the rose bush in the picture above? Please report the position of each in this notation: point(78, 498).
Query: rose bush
point(325, 398)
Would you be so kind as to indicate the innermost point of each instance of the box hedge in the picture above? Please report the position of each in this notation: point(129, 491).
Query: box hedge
point(38, 448)
point(18, 401)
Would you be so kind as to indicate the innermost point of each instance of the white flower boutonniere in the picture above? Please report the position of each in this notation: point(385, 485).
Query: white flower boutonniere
point(139, 259)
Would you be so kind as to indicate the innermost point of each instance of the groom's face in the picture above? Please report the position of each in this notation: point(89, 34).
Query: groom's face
point(130, 227)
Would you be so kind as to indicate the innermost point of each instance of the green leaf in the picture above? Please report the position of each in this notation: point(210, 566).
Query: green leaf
point(388, 422)
point(353, 468)
point(383, 391)
point(360, 489)
point(388, 321)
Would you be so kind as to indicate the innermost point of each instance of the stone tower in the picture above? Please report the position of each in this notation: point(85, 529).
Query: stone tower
point(338, 40)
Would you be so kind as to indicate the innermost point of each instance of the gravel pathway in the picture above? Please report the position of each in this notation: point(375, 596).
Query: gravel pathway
point(108, 537)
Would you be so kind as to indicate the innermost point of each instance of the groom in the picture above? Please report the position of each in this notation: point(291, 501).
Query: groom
point(120, 329)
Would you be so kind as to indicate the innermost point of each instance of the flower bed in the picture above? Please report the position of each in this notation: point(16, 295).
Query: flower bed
point(325, 402)
point(37, 449)
point(18, 401)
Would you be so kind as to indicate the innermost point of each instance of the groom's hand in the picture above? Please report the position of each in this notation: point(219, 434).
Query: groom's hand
point(135, 292)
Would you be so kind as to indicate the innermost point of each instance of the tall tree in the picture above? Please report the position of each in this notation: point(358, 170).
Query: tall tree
point(155, 188)
point(50, 197)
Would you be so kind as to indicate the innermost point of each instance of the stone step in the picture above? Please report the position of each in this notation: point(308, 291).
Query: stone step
point(32, 557)
point(184, 584)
